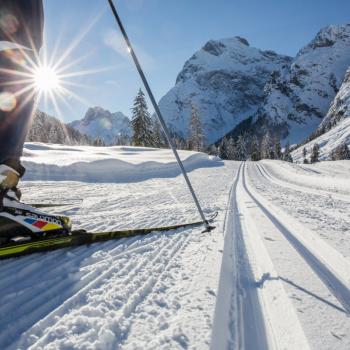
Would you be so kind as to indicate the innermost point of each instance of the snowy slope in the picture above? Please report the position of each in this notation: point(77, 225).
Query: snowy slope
point(340, 108)
point(299, 96)
point(328, 142)
point(105, 296)
point(101, 123)
point(107, 164)
point(225, 81)
point(335, 127)
point(274, 274)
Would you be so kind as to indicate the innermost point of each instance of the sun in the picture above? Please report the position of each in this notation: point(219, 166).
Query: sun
point(46, 79)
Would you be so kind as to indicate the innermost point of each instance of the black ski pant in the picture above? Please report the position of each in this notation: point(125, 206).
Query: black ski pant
point(21, 23)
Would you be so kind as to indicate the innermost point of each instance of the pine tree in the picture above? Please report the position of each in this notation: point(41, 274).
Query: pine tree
point(241, 148)
point(304, 152)
point(224, 149)
point(255, 150)
point(277, 154)
point(213, 150)
point(122, 139)
point(98, 142)
point(196, 137)
point(179, 142)
point(341, 152)
point(158, 136)
point(287, 153)
point(267, 146)
point(315, 153)
point(304, 155)
point(231, 149)
point(141, 122)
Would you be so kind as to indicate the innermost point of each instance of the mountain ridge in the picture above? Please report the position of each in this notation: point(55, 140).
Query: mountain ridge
point(231, 84)
point(225, 81)
point(101, 123)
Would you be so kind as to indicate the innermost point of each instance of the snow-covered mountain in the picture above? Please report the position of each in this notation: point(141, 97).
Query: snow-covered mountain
point(335, 127)
point(229, 81)
point(299, 95)
point(225, 81)
point(340, 108)
point(101, 123)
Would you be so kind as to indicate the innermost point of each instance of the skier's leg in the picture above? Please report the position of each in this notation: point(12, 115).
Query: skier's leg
point(16, 111)
point(21, 24)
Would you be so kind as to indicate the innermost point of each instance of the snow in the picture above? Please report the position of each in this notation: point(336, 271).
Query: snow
point(107, 164)
point(274, 274)
point(328, 142)
point(335, 125)
point(224, 81)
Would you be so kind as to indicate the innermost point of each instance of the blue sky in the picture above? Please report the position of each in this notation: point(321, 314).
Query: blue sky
point(165, 34)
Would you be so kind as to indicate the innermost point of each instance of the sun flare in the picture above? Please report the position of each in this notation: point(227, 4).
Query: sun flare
point(53, 78)
point(46, 79)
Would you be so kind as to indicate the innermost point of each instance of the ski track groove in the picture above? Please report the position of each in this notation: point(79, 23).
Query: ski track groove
point(238, 321)
point(135, 272)
point(71, 286)
point(288, 334)
point(322, 268)
point(27, 264)
point(29, 304)
point(296, 187)
point(79, 253)
point(151, 283)
point(44, 323)
point(129, 270)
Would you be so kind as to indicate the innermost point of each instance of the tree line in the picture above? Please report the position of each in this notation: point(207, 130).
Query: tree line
point(147, 132)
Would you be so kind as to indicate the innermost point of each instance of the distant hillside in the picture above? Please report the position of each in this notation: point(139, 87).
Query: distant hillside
point(111, 128)
point(334, 130)
point(50, 130)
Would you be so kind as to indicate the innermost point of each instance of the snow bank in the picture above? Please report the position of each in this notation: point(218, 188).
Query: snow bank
point(327, 142)
point(324, 176)
point(107, 164)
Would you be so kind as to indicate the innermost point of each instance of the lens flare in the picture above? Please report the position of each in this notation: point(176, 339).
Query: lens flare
point(9, 24)
point(49, 79)
point(46, 79)
point(7, 102)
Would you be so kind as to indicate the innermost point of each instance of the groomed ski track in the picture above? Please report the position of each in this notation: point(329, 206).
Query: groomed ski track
point(274, 275)
point(282, 286)
point(156, 291)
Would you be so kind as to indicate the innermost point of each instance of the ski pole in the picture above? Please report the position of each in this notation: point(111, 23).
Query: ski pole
point(159, 114)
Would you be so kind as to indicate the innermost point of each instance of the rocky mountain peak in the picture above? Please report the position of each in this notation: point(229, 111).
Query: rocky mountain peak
point(298, 96)
point(225, 80)
point(328, 36)
point(94, 113)
point(99, 122)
